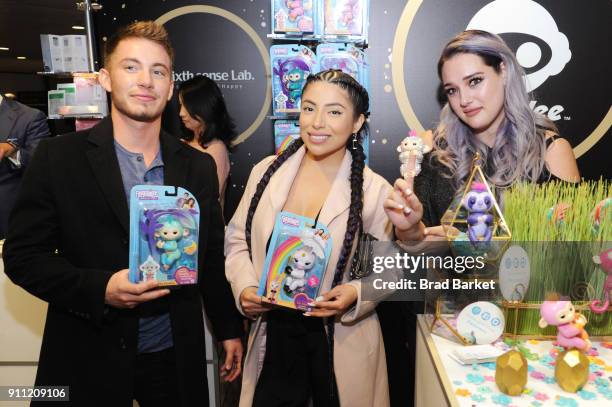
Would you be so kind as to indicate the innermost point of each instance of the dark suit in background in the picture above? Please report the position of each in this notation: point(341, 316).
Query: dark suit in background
point(72, 199)
point(25, 127)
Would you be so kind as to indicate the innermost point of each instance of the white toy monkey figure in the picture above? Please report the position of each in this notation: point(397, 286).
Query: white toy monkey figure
point(411, 150)
point(301, 261)
point(149, 269)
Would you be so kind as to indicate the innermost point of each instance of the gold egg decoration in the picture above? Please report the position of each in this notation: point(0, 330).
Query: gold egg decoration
point(572, 370)
point(511, 372)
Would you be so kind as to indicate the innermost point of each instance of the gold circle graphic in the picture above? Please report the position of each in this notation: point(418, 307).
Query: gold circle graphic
point(181, 11)
point(401, 94)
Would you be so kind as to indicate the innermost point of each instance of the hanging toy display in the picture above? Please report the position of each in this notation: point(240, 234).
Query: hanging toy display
point(345, 57)
point(345, 17)
point(285, 133)
point(292, 64)
point(293, 16)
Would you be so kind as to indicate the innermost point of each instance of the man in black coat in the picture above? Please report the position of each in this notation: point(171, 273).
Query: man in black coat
point(21, 128)
point(110, 340)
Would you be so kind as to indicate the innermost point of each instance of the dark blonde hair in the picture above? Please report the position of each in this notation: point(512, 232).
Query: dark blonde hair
point(519, 149)
point(149, 30)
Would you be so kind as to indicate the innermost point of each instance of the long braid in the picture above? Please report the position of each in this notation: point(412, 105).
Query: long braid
point(353, 226)
point(263, 183)
point(360, 99)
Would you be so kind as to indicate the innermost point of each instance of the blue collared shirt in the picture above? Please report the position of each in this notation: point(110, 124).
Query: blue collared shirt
point(154, 333)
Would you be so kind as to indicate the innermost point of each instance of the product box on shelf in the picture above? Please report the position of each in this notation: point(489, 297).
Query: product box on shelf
point(345, 17)
point(293, 16)
point(345, 57)
point(90, 93)
point(285, 132)
point(75, 53)
point(52, 52)
point(55, 100)
point(70, 89)
point(291, 65)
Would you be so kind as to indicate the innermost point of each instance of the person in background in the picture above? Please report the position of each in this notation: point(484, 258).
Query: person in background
point(21, 128)
point(108, 339)
point(208, 125)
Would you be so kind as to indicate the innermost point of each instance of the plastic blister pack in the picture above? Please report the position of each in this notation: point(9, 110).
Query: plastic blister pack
point(293, 16)
point(285, 132)
point(291, 64)
point(296, 261)
point(164, 230)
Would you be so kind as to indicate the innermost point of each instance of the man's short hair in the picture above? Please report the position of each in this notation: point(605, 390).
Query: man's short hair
point(149, 30)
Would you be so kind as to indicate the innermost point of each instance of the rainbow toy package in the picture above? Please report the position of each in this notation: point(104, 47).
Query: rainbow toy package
point(164, 230)
point(293, 16)
point(296, 261)
point(291, 65)
point(345, 17)
point(285, 132)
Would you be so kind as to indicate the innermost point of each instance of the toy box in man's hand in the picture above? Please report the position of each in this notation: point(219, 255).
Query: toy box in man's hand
point(164, 230)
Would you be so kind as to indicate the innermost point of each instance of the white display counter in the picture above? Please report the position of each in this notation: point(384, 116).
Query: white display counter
point(441, 381)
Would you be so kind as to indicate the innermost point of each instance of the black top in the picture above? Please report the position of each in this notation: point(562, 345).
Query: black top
point(434, 186)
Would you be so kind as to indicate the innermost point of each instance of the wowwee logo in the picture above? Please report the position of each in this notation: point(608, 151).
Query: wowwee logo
point(541, 37)
point(147, 195)
point(290, 221)
point(231, 76)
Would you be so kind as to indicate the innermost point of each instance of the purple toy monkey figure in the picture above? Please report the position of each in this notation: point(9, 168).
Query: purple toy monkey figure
point(570, 324)
point(605, 260)
point(478, 202)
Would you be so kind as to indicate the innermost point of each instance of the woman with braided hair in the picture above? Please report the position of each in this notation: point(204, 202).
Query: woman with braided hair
point(334, 354)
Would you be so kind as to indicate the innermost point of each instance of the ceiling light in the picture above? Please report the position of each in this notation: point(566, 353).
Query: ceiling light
point(21, 57)
point(78, 27)
point(4, 49)
point(10, 95)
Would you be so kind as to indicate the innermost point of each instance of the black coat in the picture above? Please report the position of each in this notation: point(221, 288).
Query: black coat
point(69, 234)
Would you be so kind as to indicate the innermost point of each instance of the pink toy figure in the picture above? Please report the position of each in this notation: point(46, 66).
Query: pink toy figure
point(604, 259)
point(569, 323)
point(295, 9)
point(349, 11)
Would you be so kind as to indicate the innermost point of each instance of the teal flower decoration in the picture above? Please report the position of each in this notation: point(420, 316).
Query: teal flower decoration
point(501, 399)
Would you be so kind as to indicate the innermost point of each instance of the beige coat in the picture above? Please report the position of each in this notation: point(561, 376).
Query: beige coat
point(359, 354)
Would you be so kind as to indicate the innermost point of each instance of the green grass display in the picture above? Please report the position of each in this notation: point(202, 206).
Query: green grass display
point(561, 253)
